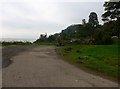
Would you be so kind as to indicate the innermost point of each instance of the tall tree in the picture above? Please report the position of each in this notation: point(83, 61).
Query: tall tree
point(93, 19)
point(112, 11)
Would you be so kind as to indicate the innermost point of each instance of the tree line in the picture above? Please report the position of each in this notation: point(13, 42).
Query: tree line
point(91, 32)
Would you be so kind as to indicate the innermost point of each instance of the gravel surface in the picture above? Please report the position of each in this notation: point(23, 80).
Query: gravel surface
point(9, 51)
point(42, 67)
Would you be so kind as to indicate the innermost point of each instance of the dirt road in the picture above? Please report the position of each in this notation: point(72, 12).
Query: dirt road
point(42, 67)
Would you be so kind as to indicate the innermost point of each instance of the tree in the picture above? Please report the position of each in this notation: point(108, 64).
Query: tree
point(112, 11)
point(51, 38)
point(42, 38)
point(93, 19)
point(70, 32)
point(83, 22)
point(85, 31)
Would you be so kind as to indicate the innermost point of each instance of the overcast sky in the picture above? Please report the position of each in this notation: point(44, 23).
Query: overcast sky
point(29, 18)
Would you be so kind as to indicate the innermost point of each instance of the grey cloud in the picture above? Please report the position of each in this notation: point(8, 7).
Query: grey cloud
point(68, 12)
point(77, 11)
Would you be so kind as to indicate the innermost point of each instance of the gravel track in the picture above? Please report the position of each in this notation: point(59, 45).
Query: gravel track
point(41, 67)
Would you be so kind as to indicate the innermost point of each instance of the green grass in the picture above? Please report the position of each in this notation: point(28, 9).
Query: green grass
point(100, 58)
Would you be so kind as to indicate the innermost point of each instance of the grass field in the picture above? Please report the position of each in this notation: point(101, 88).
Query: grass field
point(100, 58)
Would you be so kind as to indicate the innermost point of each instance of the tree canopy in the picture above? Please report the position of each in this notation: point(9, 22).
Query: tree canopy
point(112, 11)
point(92, 31)
point(93, 19)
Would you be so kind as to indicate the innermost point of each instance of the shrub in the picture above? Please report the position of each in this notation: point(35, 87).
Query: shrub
point(107, 39)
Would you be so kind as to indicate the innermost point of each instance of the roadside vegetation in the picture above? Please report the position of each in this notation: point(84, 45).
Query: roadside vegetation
point(92, 45)
point(89, 45)
point(90, 32)
point(0, 44)
point(103, 59)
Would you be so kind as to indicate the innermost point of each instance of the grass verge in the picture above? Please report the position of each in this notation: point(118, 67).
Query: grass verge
point(101, 59)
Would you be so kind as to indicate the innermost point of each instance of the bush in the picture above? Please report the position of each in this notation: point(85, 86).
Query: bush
point(107, 40)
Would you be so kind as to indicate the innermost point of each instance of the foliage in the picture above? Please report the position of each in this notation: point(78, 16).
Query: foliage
point(99, 33)
point(102, 36)
point(107, 40)
point(42, 38)
point(93, 19)
point(90, 32)
point(52, 38)
point(70, 32)
point(85, 31)
point(101, 58)
point(112, 11)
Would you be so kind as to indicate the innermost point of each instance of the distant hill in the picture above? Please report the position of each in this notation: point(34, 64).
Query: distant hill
point(71, 28)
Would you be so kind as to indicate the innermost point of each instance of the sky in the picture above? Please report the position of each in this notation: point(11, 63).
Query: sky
point(30, 18)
